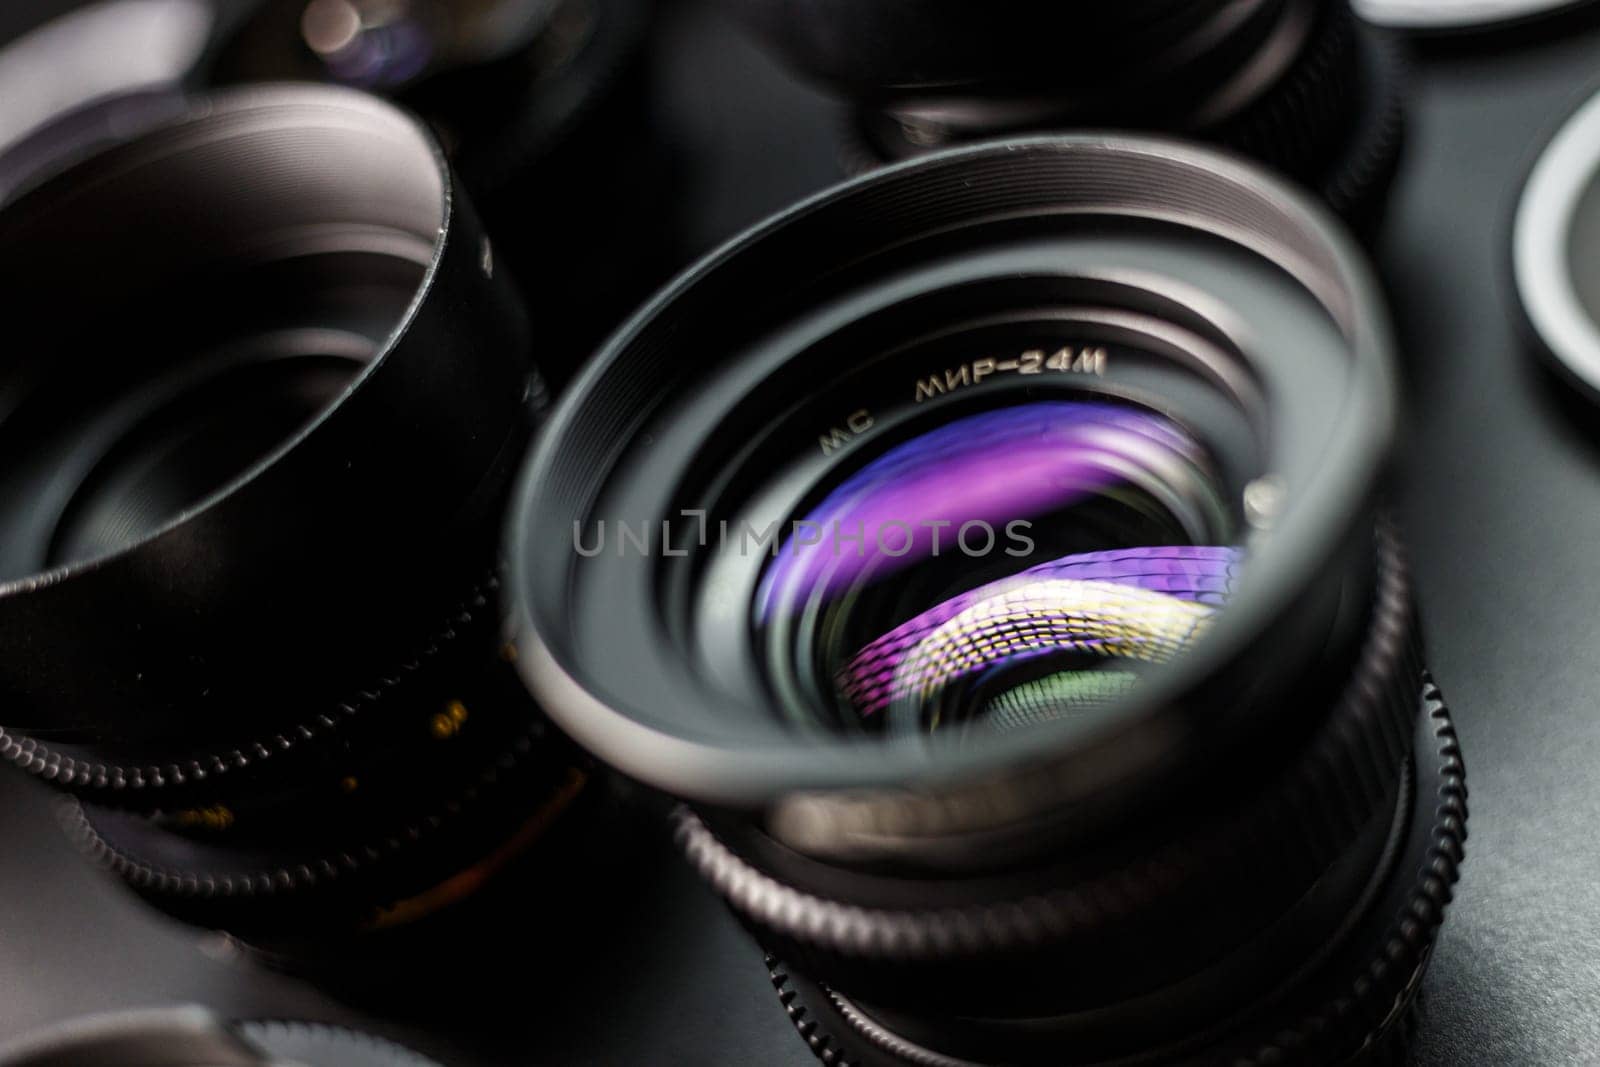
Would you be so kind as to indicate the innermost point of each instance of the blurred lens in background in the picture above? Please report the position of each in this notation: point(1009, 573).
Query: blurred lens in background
point(1301, 85)
point(264, 396)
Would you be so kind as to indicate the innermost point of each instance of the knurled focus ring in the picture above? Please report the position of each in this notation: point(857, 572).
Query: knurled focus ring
point(1374, 1003)
point(519, 767)
point(116, 784)
point(1356, 184)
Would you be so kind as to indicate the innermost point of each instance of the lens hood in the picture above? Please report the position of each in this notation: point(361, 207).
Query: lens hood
point(255, 445)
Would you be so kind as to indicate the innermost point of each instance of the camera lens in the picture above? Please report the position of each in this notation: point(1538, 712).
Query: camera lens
point(1299, 84)
point(260, 415)
point(1016, 611)
point(193, 1037)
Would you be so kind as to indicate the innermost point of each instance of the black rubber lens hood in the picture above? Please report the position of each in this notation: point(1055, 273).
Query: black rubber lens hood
point(228, 630)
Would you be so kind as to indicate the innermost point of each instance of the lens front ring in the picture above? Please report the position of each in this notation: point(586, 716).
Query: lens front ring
point(1195, 190)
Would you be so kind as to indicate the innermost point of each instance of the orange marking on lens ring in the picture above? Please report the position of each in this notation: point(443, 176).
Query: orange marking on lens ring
point(464, 884)
point(448, 722)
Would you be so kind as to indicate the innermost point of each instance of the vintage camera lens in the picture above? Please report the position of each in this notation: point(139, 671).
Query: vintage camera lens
point(543, 109)
point(193, 1037)
point(1005, 587)
point(259, 416)
point(1299, 84)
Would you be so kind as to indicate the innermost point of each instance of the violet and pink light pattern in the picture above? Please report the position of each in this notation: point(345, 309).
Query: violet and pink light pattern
point(994, 467)
point(1137, 604)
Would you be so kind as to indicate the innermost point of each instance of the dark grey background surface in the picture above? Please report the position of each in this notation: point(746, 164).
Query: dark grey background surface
point(1501, 495)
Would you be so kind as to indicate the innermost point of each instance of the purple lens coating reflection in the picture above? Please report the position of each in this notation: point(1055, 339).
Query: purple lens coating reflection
point(995, 467)
point(1050, 640)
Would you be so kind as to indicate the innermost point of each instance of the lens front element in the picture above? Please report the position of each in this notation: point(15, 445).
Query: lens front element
point(1017, 564)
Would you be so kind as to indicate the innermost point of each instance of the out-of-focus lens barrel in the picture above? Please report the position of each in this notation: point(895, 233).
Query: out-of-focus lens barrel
point(266, 392)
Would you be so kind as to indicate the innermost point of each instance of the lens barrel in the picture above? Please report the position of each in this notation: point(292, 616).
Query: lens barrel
point(258, 441)
point(1301, 85)
point(1168, 781)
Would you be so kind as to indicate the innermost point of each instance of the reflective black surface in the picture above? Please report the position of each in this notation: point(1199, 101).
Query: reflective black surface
point(1502, 506)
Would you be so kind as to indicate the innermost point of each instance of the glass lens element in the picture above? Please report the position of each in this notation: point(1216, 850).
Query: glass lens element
point(1006, 568)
